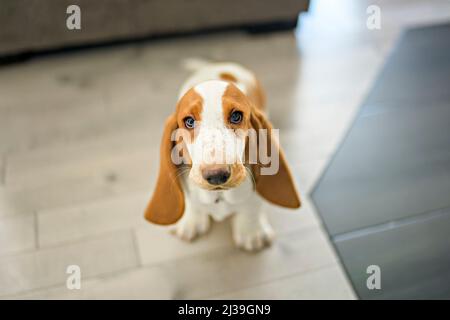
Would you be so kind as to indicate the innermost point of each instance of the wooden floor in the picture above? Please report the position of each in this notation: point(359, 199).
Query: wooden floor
point(79, 139)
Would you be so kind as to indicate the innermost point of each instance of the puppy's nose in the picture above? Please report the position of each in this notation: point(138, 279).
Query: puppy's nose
point(216, 175)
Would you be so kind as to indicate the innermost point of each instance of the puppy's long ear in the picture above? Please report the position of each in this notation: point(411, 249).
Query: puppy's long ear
point(167, 203)
point(278, 188)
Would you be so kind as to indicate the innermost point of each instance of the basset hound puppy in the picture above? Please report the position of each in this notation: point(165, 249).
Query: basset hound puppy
point(217, 108)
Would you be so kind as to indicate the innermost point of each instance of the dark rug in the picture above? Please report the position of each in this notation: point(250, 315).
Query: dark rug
point(385, 196)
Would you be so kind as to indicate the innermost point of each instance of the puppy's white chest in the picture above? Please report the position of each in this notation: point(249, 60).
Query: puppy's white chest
point(220, 209)
point(217, 203)
point(221, 204)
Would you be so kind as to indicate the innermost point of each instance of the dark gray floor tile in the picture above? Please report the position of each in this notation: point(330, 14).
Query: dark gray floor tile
point(381, 194)
point(414, 259)
point(392, 165)
point(418, 68)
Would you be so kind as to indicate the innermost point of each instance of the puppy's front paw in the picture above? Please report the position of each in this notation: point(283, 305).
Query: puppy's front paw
point(252, 234)
point(192, 226)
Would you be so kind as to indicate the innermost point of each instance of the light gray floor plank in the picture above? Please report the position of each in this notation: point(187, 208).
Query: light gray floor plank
point(47, 267)
point(70, 224)
point(324, 283)
point(119, 174)
point(17, 233)
point(212, 273)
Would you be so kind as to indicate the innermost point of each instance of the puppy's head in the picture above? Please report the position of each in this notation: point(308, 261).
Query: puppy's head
point(215, 116)
point(209, 135)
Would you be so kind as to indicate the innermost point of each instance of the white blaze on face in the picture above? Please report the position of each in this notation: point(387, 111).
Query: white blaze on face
point(214, 142)
point(208, 71)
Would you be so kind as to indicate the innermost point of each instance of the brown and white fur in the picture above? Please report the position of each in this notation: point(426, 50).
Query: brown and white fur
point(184, 196)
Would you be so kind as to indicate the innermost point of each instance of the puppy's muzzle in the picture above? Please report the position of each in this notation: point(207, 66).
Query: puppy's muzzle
point(216, 175)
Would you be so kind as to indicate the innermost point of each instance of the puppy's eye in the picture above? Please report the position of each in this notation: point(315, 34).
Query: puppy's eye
point(236, 117)
point(189, 122)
